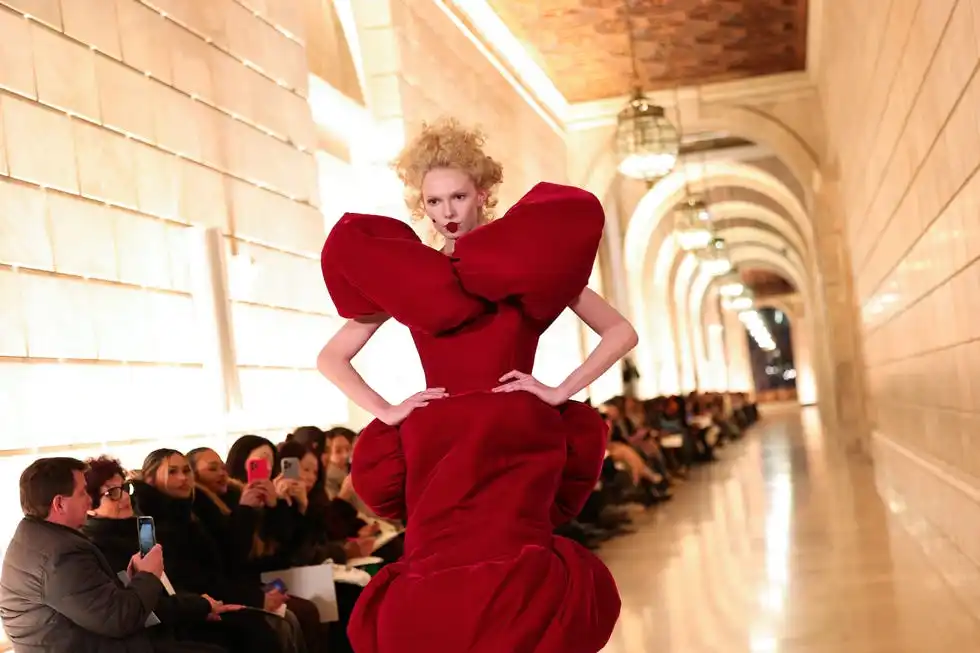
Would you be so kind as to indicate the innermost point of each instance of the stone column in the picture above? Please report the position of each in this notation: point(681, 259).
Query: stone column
point(837, 328)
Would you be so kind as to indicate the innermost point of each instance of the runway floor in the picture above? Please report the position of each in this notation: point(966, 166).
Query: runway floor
point(782, 547)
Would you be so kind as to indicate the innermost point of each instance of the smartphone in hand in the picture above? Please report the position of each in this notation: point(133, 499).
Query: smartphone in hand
point(290, 469)
point(147, 534)
point(257, 469)
point(276, 584)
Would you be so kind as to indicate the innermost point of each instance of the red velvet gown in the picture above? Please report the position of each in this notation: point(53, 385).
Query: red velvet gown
point(482, 478)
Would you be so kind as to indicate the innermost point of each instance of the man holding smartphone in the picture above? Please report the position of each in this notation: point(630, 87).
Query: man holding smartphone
point(57, 591)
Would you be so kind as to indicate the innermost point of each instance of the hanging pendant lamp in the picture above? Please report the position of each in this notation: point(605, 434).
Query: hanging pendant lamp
point(647, 144)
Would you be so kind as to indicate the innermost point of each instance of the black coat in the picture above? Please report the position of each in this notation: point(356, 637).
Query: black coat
point(194, 560)
point(59, 594)
point(118, 541)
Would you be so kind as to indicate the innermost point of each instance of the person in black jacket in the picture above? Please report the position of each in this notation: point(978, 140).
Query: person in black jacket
point(196, 562)
point(58, 593)
point(112, 526)
point(258, 521)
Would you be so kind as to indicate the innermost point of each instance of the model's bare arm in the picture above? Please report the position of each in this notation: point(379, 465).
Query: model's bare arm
point(617, 338)
point(334, 362)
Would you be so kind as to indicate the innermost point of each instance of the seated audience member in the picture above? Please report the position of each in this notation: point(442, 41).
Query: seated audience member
point(311, 436)
point(336, 468)
point(232, 512)
point(336, 460)
point(253, 520)
point(112, 526)
point(58, 593)
point(326, 529)
point(196, 563)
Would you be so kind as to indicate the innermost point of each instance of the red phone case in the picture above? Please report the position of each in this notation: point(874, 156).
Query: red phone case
point(258, 470)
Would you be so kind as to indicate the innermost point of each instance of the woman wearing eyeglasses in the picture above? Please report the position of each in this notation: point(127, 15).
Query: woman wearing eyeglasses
point(111, 526)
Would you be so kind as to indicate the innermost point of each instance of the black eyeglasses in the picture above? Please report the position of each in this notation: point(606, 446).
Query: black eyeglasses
point(115, 493)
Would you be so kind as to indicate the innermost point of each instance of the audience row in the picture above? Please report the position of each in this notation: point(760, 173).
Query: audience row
point(76, 579)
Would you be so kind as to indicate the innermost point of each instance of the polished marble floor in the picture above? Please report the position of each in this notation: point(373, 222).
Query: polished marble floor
point(783, 546)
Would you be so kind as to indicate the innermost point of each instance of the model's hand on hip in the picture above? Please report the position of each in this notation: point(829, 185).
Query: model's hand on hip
point(397, 414)
point(516, 380)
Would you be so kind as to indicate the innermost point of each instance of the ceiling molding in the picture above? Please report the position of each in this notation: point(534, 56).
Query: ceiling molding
point(481, 24)
point(497, 43)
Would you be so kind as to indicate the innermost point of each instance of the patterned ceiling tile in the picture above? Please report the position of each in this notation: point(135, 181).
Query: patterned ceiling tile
point(583, 45)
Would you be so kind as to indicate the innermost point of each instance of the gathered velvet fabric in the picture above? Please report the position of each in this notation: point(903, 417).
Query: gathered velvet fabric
point(481, 478)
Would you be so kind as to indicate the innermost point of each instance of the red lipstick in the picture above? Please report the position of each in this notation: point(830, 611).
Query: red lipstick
point(452, 227)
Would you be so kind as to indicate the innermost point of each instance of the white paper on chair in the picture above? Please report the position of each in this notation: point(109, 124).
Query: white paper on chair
point(672, 441)
point(311, 583)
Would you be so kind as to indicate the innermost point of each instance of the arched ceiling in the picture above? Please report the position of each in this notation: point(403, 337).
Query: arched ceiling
point(583, 45)
point(765, 283)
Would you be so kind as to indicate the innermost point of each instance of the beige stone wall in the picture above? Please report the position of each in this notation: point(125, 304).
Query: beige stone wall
point(445, 74)
point(902, 101)
point(125, 125)
point(421, 66)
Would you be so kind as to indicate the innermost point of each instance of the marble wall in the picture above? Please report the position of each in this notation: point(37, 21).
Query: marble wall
point(902, 101)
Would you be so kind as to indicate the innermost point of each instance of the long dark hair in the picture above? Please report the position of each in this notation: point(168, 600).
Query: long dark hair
point(311, 436)
point(238, 454)
point(299, 451)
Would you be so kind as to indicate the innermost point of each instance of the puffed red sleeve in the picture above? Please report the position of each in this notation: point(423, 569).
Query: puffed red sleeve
point(541, 251)
point(378, 470)
point(373, 264)
point(585, 443)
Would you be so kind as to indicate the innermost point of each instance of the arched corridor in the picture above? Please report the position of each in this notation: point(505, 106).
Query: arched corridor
point(784, 546)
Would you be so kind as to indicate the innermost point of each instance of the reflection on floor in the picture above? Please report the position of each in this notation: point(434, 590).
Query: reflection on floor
point(782, 547)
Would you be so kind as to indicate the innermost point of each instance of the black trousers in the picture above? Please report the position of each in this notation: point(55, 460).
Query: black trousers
point(248, 631)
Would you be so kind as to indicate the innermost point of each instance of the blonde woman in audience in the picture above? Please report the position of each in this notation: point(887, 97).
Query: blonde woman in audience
point(196, 562)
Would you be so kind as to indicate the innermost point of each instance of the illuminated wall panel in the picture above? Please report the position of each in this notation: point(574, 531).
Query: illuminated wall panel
point(271, 337)
point(282, 399)
point(122, 126)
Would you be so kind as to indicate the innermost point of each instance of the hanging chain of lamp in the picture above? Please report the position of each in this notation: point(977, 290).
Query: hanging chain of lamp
point(646, 142)
point(692, 218)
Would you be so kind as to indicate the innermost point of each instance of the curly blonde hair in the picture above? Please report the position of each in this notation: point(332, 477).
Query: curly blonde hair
point(447, 144)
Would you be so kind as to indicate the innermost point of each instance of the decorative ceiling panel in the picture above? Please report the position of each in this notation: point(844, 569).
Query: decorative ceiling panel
point(583, 45)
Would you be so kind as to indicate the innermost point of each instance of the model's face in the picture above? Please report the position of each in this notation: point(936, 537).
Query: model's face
point(452, 201)
point(211, 472)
